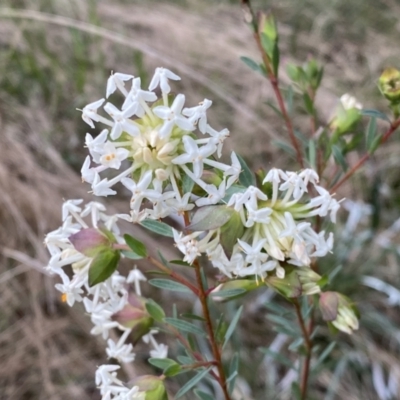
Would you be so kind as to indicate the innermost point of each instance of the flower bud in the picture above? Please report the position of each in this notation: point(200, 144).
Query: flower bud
point(346, 116)
point(298, 281)
point(389, 84)
point(135, 316)
point(153, 386)
point(90, 241)
point(338, 310)
point(309, 281)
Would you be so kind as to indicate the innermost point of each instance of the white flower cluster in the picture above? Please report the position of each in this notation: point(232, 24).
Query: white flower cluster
point(111, 388)
point(154, 139)
point(104, 300)
point(276, 227)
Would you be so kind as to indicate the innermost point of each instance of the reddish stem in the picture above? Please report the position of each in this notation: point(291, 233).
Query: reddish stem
point(202, 295)
point(309, 345)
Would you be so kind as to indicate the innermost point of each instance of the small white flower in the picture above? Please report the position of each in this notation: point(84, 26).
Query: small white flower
point(115, 81)
point(198, 115)
point(89, 112)
point(121, 121)
point(194, 155)
point(139, 96)
point(102, 187)
point(161, 77)
point(95, 145)
point(348, 102)
point(140, 190)
point(218, 137)
point(112, 156)
point(173, 116)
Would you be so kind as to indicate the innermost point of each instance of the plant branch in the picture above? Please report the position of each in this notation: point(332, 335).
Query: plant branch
point(309, 346)
point(202, 295)
point(273, 78)
point(393, 127)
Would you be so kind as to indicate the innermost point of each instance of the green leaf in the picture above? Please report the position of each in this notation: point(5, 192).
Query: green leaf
point(371, 132)
point(168, 284)
point(228, 293)
point(312, 154)
point(323, 356)
point(220, 330)
point(308, 103)
point(275, 58)
point(279, 358)
point(103, 266)
point(232, 326)
point(192, 316)
point(289, 99)
point(246, 177)
point(293, 72)
point(252, 64)
point(202, 395)
point(138, 247)
point(296, 391)
point(184, 326)
point(173, 370)
point(187, 184)
point(274, 108)
point(162, 258)
point(339, 157)
point(196, 379)
point(210, 217)
point(131, 255)
point(233, 372)
point(376, 114)
point(375, 144)
point(161, 228)
point(182, 263)
point(267, 44)
point(287, 148)
point(162, 363)
point(155, 310)
point(186, 360)
point(230, 232)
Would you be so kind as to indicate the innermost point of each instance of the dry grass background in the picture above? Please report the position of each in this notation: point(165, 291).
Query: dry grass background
point(50, 66)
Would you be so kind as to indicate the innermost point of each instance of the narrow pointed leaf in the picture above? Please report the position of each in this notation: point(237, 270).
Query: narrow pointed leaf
point(376, 114)
point(246, 177)
point(168, 284)
point(155, 311)
point(136, 246)
point(339, 157)
point(161, 228)
point(232, 326)
point(371, 132)
point(202, 395)
point(252, 64)
point(161, 363)
point(196, 379)
point(184, 326)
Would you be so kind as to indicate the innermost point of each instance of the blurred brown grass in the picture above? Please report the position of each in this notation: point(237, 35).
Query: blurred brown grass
point(52, 66)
